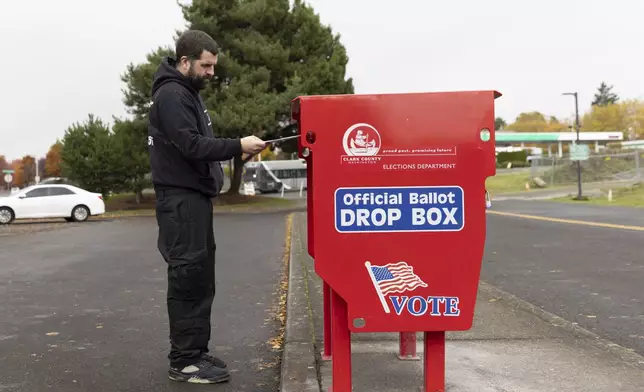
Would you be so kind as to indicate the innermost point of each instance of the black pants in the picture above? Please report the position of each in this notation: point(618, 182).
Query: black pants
point(187, 243)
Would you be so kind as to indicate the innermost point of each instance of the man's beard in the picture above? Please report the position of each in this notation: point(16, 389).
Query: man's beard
point(198, 82)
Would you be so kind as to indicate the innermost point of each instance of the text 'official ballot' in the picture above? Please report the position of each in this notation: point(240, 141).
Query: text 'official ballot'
point(399, 209)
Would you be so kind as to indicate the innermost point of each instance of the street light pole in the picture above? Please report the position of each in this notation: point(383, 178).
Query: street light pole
point(579, 196)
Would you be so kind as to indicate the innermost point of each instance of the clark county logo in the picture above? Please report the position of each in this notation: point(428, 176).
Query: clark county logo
point(361, 140)
point(362, 144)
point(400, 277)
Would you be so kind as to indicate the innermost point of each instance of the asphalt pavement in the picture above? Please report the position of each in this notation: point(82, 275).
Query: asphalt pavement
point(587, 275)
point(83, 307)
point(617, 215)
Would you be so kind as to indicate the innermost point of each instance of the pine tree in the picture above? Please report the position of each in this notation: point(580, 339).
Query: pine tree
point(271, 53)
point(605, 96)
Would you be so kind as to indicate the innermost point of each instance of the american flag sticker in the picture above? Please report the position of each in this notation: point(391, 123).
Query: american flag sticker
point(393, 278)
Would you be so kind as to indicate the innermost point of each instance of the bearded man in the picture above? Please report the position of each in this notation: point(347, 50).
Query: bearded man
point(185, 160)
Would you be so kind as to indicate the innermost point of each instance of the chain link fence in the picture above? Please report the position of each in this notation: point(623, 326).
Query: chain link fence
point(616, 167)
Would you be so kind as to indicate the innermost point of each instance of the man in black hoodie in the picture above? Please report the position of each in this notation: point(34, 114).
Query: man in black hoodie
point(186, 173)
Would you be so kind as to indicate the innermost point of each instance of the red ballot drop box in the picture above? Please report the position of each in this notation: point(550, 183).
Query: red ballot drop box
point(396, 209)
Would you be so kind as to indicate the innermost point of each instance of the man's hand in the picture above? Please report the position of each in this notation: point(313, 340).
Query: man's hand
point(252, 145)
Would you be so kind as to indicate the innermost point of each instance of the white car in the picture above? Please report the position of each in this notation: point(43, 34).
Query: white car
point(51, 201)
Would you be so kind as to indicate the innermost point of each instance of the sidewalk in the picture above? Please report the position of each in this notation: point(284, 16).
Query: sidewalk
point(513, 347)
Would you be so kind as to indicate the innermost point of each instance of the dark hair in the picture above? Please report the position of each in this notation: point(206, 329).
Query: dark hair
point(192, 43)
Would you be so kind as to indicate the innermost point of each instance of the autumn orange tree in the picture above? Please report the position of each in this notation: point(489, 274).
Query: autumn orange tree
point(537, 122)
point(608, 112)
point(52, 160)
point(25, 171)
point(626, 116)
point(18, 174)
point(3, 165)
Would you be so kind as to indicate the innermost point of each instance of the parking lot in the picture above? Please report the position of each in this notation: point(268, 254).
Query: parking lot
point(83, 305)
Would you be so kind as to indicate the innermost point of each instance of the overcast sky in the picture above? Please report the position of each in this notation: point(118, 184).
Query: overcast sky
point(64, 58)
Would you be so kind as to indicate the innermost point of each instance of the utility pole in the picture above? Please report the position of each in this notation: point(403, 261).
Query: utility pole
point(579, 196)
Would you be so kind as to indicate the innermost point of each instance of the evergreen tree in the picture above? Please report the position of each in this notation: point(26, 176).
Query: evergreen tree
point(137, 94)
point(605, 96)
point(131, 154)
point(499, 124)
point(271, 53)
point(89, 158)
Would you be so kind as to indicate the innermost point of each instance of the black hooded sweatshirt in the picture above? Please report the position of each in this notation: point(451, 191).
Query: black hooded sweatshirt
point(184, 152)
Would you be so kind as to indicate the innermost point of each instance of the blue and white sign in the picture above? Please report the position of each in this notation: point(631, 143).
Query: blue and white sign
point(399, 209)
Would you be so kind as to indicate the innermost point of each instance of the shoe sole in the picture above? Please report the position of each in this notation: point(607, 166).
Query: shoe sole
point(197, 380)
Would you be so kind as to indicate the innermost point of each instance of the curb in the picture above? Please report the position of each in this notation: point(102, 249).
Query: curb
point(299, 366)
point(625, 354)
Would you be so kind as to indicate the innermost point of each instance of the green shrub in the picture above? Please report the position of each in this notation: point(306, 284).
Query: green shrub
point(515, 156)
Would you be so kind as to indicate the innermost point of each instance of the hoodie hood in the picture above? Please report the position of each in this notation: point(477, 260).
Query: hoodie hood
point(167, 72)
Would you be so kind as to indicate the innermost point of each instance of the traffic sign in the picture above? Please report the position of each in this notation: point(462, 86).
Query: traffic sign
point(579, 152)
point(8, 178)
point(8, 171)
